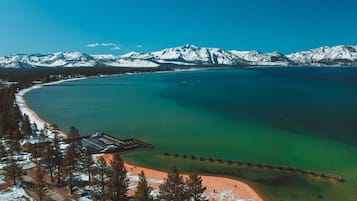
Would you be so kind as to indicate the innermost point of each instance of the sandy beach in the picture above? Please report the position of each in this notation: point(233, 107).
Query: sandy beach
point(218, 188)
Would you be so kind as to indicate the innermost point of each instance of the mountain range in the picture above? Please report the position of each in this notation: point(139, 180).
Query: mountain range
point(188, 55)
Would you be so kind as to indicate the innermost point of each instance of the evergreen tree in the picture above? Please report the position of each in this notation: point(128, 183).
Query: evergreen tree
point(173, 188)
point(26, 126)
point(49, 159)
point(195, 189)
point(143, 190)
point(118, 182)
point(40, 179)
point(2, 150)
point(101, 172)
point(73, 132)
point(9, 113)
point(12, 169)
point(72, 155)
point(58, 158)
point(88, 164)
point(70, 164)
point(38, 152)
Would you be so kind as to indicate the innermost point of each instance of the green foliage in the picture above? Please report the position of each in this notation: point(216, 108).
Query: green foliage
point(72, 156)
point(12, 169)
point(38, 151)
point(143, 190)
point(26, 126)
point(49, 158)
point(2, 150)
point(9, 113)
point(195, 189)
point(73, 132)
point(88, 163)
point(58, 161)
point(173, 188)
point(100, 173)
point(118, 182)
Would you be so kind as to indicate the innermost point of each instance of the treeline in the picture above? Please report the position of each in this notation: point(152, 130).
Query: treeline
point(107, 179)
point(25, 76)
point(10, 115)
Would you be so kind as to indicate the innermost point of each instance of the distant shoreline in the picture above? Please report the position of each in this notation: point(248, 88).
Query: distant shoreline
point(215, 185)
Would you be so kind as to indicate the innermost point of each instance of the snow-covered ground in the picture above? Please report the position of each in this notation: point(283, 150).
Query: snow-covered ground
point(2, 179)
point(15, 193)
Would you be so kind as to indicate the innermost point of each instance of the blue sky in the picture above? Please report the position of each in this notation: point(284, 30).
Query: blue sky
point(116, 27)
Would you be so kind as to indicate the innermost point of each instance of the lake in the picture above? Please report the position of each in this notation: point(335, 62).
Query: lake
point(300, 117)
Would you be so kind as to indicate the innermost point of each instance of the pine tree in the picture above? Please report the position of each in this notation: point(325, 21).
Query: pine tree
point(173, 188)
point(100, 173)
point(49, 159)
point(88, 164)
point(72, 155)
point(2, 150)
point(26, 126)
point(38, 152)
point(118, 182)
point(70, 164)
point(12, 169)
point(143, 190)
point(41, 185)
point(14, 140)
point(58, 158)
point(73, 132)
point(195, 189)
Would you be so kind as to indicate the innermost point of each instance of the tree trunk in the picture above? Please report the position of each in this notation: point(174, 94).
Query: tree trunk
point(14, 179)
point(51, 173)
point(102, 187)
point(71, 182)
point(58, 175)
point(89, 177)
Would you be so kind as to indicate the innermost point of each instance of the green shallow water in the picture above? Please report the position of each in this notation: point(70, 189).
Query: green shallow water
point(301, 117)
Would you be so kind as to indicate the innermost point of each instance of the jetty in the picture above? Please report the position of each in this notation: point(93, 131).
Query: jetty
point(262, 165)
point(105, 143)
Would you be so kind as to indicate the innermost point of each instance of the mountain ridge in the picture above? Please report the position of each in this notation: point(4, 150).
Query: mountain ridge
point(188, 55)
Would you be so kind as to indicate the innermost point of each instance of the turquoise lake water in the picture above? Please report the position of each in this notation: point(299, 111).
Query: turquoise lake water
point(301, 117)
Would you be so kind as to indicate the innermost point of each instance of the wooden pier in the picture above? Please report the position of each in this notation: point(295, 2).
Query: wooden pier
point(262, 165)
point(105, 143)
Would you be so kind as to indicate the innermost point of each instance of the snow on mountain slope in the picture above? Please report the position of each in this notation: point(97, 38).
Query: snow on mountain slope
point(188, 55)
point(258, 58)
point(337, 55)
point(63, 59)
point(70, 59)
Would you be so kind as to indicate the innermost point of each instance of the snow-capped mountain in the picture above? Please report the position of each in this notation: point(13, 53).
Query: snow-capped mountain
point(337, 55)
point(64, 59)
point(259, 58)
point(188, 55)
point(70, 59)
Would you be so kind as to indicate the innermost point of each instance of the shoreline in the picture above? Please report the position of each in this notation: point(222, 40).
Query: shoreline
point(218, 188)
point(33, 116)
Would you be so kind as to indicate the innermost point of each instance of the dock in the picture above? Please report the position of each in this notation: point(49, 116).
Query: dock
point(105, 143)
point(262, 165)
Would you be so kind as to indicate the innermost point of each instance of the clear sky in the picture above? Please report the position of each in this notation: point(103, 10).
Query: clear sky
point(119, 26)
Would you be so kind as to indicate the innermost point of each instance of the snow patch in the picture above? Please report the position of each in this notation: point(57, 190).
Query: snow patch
point(15, 193)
